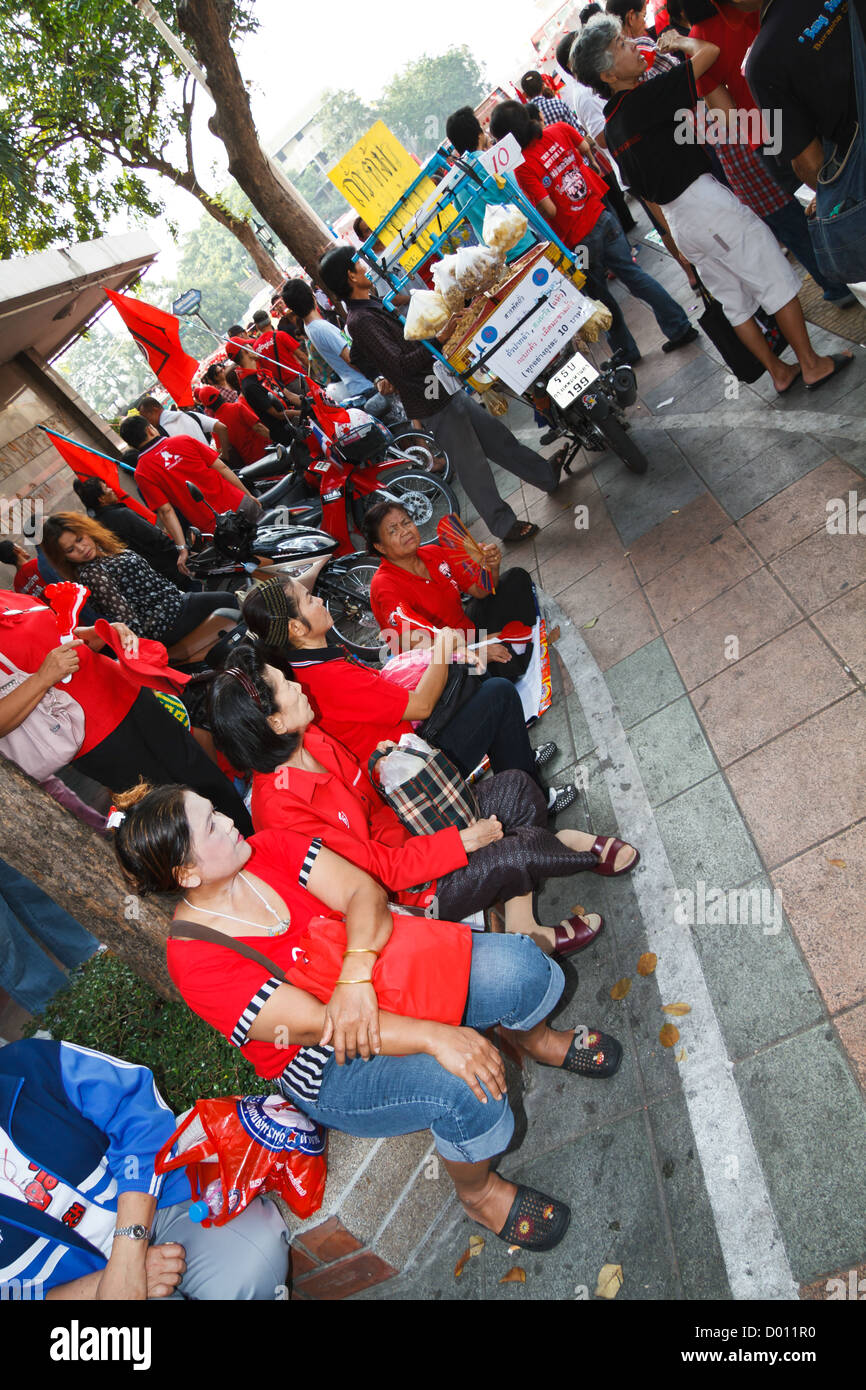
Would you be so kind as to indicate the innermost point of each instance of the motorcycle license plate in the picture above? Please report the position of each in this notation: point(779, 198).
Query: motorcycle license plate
point(571, 380)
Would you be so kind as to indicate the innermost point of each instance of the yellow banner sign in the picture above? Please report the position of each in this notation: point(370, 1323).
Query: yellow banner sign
point(372, 176)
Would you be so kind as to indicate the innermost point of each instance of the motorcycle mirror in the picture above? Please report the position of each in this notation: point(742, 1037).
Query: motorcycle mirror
point(195, 492)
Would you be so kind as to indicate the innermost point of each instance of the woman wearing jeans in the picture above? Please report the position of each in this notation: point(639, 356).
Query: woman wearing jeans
point(323, 1039)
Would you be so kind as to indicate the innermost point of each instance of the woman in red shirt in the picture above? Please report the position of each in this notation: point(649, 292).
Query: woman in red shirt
point(128, 734)
point(359, 707)
point(332, 1051)
point(305, 781)
point(417, 590)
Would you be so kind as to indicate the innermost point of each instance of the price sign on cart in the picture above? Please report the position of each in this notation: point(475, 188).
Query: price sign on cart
point(503, 157)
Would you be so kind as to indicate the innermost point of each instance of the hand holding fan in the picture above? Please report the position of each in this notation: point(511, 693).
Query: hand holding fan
point(453, 535)
point(67, 600)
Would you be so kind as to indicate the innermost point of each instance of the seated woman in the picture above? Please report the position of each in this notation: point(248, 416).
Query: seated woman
point(127, 589)
point(417, 589)
point(307, 782)
point(237, 957)
point(358, 706)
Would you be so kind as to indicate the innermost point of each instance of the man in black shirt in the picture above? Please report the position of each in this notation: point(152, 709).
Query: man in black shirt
point(650, 131)
point(161, 553)
point(271, 409)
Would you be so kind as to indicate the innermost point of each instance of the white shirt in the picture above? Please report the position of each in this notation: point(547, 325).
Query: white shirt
point(198, 425)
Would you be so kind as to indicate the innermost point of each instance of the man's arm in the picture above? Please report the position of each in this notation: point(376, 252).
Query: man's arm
point(701, 53)
point(220, 466)
point(168, 520)
point(807, 166)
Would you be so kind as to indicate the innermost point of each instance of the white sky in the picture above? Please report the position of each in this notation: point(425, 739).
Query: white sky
point(304, 47)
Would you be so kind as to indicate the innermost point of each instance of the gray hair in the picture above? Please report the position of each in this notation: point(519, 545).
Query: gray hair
point(592, 52)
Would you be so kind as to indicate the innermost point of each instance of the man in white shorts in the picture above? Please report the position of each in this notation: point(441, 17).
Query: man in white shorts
point(650, 134)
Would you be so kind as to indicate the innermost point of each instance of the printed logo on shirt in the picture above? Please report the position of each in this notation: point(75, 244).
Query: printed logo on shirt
point(341, 816)
point(546, 181)
point(825, 23)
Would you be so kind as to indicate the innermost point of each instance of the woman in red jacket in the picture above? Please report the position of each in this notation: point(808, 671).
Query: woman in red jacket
point(307, 782)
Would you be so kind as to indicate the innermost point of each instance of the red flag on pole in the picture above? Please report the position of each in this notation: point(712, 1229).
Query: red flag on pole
point(158, 335)
point(87, 463)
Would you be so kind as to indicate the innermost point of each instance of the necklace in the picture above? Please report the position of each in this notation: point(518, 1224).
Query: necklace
point(282, 922)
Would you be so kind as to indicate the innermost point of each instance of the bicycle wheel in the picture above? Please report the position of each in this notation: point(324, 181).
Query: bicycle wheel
point(423, 450)
point(622, 444)
point(424, 496)
point(346, 593)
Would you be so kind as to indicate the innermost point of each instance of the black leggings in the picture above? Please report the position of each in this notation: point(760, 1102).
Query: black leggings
point(150, 745)
point(491, 723)
point(195, 610)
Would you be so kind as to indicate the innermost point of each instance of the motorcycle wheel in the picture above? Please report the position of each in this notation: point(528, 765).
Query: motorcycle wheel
point(424, 496)
point(622, 444)
point(422, 450)
point(346, 592)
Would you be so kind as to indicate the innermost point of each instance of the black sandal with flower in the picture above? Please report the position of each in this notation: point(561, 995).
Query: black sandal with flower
point(592, 1053)
point(535, 1221)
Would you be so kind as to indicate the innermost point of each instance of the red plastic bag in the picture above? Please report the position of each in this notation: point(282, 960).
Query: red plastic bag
point(235, 1148)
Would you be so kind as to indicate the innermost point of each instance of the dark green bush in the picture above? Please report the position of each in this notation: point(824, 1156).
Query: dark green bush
point(109, 1008)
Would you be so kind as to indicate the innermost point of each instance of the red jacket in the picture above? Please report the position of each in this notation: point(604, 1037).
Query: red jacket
point(343, 808)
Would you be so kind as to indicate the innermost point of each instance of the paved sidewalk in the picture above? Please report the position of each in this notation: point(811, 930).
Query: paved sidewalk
point(710, 704)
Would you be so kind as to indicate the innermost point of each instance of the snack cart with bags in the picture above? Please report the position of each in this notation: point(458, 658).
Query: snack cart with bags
point(519, 329)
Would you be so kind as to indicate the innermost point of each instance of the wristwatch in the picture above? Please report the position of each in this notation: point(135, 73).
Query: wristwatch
point(134, 1232)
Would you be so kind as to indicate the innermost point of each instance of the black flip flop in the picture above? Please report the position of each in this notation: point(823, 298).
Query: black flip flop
point(840, 362)
point(521, 531)
point(535, 1222)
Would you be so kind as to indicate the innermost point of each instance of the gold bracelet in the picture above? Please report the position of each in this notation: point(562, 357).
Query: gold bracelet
point(368, 981)
point(360, 951)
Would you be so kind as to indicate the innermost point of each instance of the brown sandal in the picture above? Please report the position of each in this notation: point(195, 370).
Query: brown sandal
point(606, 848)
point(521, 531)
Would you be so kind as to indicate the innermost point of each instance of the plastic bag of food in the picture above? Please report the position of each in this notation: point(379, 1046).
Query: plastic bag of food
point(427, 313)
point(445, 281)
point(504, 226)
point(478, 267)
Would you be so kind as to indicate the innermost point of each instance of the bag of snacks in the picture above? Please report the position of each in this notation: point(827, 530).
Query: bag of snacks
point(445, 281)
point(478, 268)
point(427, 313)
point(504, 226)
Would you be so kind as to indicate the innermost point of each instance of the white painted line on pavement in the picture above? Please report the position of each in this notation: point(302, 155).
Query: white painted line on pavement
point(789, 422)
point(752, 1246)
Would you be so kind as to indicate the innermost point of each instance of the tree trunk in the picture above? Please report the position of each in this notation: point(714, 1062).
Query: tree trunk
point(77, 868)
point(207, 23)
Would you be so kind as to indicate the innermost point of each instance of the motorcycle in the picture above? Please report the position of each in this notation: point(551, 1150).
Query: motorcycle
point(230, 558)
point(588, 404)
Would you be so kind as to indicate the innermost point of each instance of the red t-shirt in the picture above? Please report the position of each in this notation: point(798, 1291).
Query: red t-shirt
point(553, 168)
point(164, 469)
point(351, 702)
point(733, 32)
point(28, 580)
point(282, 347)
point(222, 987)
point(343, 807)
point(239, 421)
point(400, 599)
point(98, 685)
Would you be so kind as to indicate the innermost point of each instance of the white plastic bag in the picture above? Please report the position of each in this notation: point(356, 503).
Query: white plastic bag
point(478, 267)
point(504, 225)
point(445, 280)
point(403, 762)
point(427, 313)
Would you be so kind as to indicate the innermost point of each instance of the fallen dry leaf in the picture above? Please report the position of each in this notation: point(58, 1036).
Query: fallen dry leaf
point(578, 911)
point(592, 622)
point(675, 512)
point(476, 1245)
point(676, 1010)
point(514, 1276)
point(669, 1035)
point(647, 963)
point(462, 1262)
point(554, 634)
point(681, 1055)
point(609, 1281)
point(837, 863)
point(625, 554)
point(513, 1249)
point(621, 989)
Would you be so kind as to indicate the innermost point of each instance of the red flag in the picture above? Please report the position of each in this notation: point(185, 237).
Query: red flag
point(87, 463)
point(158, 335)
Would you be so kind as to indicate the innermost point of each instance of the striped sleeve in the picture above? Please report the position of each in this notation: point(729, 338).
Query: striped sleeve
point(309, 860)
point(240, 1032)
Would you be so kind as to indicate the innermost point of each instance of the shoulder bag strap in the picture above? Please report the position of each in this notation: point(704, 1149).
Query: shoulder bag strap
point(217, 938)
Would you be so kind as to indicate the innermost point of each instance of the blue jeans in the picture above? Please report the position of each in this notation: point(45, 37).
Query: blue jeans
point(791, 227)
point(606, 246)
point(25, 970)
point(512, 982)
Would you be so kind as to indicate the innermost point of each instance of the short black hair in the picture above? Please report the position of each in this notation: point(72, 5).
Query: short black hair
point(692, 11)
point(298, 297)
point(334, 270)
point(514, 118)
point(236, 330)
point(621, 8)
point(587, 13)
point(89, 490)
point(532, 84)
point(372, 524)
point(133, 431)
point(563, 48)
point(7, 553)
point(238, 720)
point(463, 129)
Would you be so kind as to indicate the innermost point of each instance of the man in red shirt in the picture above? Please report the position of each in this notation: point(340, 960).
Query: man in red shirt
point(566, 191)
point(282, 348)
point(247, 435)
point(27, 578)
point(166, 465)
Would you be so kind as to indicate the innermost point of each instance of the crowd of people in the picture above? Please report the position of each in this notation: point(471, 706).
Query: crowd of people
point(307, 908)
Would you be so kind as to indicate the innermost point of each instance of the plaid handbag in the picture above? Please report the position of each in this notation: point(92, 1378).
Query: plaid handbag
point(434, 799)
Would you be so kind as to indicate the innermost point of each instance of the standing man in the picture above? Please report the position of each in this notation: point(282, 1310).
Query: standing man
point(465, 430)
point(171, 423)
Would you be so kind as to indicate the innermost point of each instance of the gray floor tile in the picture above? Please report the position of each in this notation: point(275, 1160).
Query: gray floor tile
point(680, 381)
point(583, 741)
point(719, 459)
point(807, 1123)
point(644, 682)
point(705, 838)
point(699, 1255)
point(671, 750)
point(771, 472)
point(637, 504)
point(434, 1280)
